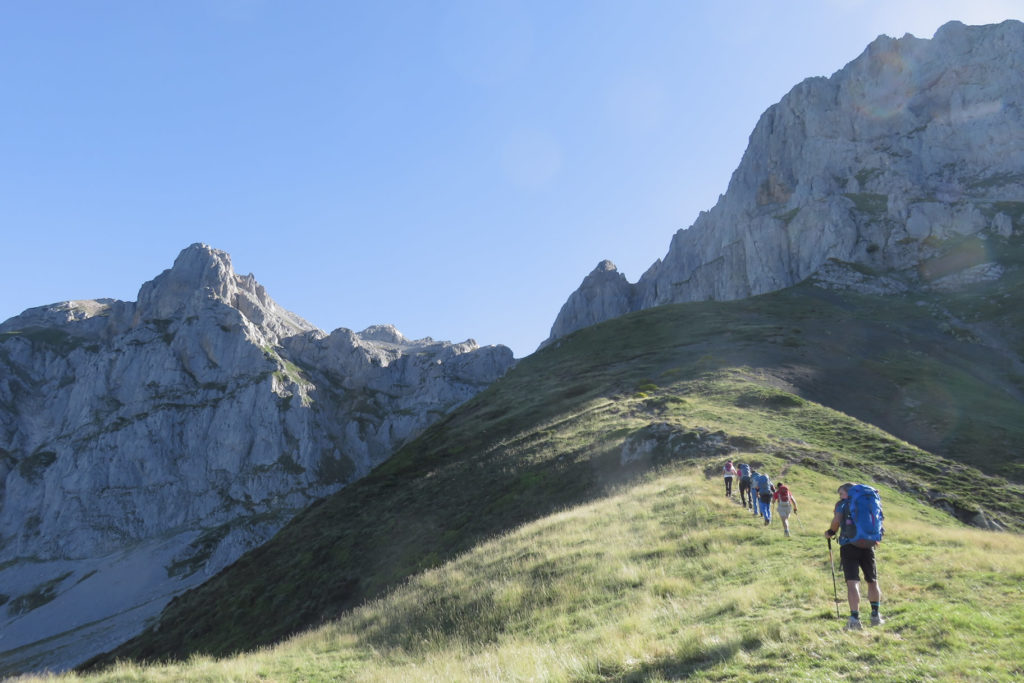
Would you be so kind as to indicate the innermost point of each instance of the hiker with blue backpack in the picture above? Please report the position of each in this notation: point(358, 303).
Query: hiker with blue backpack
point(765, 490)
point(858, 519)
point(746, 497)
point(755, 506)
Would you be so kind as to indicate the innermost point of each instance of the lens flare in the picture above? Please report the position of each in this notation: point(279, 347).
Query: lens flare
point(886, 90)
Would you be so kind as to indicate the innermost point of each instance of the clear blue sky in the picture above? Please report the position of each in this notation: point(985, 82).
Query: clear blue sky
point(452, 168)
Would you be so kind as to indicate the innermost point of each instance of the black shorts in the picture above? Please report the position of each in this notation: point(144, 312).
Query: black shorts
point(854, 558)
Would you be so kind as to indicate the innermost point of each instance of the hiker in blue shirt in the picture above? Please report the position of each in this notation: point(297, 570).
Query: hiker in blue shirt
point(754, 505)
point(854, 559)
point(765, 490)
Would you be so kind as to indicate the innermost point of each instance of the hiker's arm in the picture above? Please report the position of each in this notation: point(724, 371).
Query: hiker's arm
point(834, 526)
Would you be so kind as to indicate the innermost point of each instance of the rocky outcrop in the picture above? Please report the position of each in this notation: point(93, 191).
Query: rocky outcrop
point(661, 442)
point(913, 146)
point(145, 445)
point(604, 294)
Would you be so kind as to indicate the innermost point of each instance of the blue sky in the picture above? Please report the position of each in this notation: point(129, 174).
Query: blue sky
point(452, 168)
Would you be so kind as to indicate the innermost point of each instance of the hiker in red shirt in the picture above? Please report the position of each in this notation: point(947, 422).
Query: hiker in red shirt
point(785, 503)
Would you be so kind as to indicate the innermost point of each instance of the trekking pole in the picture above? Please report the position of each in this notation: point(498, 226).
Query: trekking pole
point(832, 563)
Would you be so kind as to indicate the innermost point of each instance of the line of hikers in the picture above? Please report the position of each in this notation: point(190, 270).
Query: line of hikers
point(857, 518)
point(757, 493)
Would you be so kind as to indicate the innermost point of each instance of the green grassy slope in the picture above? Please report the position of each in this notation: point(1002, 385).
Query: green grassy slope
point(545, 443)
point(664, 578)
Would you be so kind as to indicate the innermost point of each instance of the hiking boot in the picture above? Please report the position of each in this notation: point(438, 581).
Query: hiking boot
point(877, 620)
point(767, 522)
point(787, 532)
point(853, 625)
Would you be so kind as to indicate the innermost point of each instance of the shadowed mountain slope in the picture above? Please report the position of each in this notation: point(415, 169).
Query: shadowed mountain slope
point(779, 378)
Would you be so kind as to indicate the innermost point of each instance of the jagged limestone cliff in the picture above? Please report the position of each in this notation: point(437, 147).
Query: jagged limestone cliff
point(146, 445)
point(887, 164)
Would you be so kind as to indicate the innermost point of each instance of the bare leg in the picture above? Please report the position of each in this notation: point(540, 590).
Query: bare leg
point(874, 592)
point(853, 595)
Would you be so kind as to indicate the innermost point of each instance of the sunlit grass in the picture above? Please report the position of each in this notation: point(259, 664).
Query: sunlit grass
point(663, 579)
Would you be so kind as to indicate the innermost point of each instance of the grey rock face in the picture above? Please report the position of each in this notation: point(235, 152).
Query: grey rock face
point(914, 143)
point(604, 294)
point(146, 445)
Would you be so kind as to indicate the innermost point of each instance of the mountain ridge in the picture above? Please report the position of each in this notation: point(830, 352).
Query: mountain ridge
point(686, 383)
point(912, 144)
point(148, 444)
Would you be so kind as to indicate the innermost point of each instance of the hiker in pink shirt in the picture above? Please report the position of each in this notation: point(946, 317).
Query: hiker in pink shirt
point(730, 473)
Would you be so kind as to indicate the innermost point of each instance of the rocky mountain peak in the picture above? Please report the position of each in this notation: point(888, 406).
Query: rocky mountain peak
point(383, 333)
point(204, 265)
point(146, 445)
point(604, 294)
point(911, 147)
point(202, 281)
point(199, 272)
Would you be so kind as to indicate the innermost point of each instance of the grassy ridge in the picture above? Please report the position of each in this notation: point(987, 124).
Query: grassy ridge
point(665, 578)
point(547, 439)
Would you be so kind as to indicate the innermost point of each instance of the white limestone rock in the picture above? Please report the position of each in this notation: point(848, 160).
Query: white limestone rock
point(913, 143)
point(835, 274)
point(200, 419)
point(1002, 225)
point(604, 294)
point(983, 272)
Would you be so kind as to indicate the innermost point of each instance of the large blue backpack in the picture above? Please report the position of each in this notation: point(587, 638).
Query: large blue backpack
point(745, 470)
point(862, 524)
point(764, 484)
